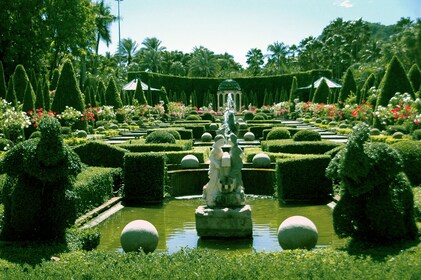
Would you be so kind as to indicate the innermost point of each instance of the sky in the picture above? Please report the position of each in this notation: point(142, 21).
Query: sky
point(236, 26)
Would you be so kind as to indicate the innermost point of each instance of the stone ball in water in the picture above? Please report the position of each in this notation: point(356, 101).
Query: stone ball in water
point(189, 161)
point(213, 126)
point(261, 160)
point(206, 137)
point(297, 232)
point(249, 136)
point(139, 235)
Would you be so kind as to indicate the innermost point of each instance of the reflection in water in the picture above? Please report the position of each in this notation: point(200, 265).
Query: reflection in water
point(175, 222)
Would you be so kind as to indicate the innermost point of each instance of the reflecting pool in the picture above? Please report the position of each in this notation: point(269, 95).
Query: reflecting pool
point(175, 222)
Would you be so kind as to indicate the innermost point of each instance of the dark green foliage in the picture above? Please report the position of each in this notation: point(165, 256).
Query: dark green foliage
point(376, 202)
point(278, 133)
point(112, 96)
point(20, 79)
point(248, 116)
point(394, 80)
point(197, 129)
point(410, 152)
point(293, 147)
point(145, 148)
point(175, 157)
point(307, 135)
point(303, 179)
point(160, 136)
point(139, 95)
point(208, 116)
point(11, 93)
point(322, 93)
point(96, 153)
point(391, 129)
point(46, 95)
point(416, 134)
point(414, 76)
point(39, 96)
point(144, 175)
point(260, 117)
point(40, 198)
point(368, 84)
point(69, 94)
point(35, 134)
point(349, 86)
point(29, 99)
point(183, 134)
point(5, 144)
point(82, 239)
point(3, 88)
point(192, 117)
point(92, 188)
point(293, 89)
point(101, 93)
point(54, 79)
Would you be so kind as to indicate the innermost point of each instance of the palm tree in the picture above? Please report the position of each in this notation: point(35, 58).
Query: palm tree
point(127, 50)
point(150, 55)
point(203, 63)
point(254, 60)
point(103, 20)
point(153, 44)
point(278, 52)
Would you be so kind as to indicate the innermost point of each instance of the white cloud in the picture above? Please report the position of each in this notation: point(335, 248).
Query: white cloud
point(343, 3)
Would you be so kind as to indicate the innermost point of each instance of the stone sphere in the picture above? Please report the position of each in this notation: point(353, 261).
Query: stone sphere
point(297, 232)
point(206, 137)
point(261, 160)
point(139, 234)
point(249, 136)
point(189, 161)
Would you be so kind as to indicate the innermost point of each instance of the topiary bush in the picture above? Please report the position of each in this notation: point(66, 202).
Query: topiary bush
point(248, 116)
point(38, 193)
point(5, 144)
point(391, 129)
point(208, 116)
point(416, 134)
point(278, 133)
point(410, 152)
point(160, 136)
point(97, 153)
point(376, 202)
point(307, 135)
point(193, 117)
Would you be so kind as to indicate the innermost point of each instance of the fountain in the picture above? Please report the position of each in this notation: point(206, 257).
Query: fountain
point(225, 213)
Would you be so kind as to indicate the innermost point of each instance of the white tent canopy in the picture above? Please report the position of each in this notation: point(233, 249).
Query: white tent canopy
point(330, 83)
point(133, 84)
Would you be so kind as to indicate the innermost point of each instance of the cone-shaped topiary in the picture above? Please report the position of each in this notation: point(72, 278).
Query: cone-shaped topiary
point(69, 94)
point(294, 86)
point(369, 83)
point(112, 98)
point(46, 94)
point(39, 95)
point(29, 99)
point(3, 88)
point(101, 93)
point(139, 94)
point(20, 79)
point(54, 79)
point(414, 76)
point(322, 93)
point(11, 94)
point(348, 87)
point(394, 80)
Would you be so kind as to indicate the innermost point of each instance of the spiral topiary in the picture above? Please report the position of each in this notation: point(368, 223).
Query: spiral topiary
point(159, 137)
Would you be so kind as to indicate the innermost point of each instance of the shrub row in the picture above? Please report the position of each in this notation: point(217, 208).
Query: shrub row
point(144, 178)
point(97, 153)
point(303, 179)
point(185, 134)
point(181, 145)
point(93, 187)
point(197, 129)
point(304, 147)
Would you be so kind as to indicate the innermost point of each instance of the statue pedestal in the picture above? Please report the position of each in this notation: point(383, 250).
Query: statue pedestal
point(224, 222)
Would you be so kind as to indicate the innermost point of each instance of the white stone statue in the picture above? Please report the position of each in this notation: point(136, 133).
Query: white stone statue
point(213, 187)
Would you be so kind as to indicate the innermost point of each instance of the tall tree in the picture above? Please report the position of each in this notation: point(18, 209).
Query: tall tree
point(103, 20)
point(348, 87)
point(203, 63)
point(277, 57)
point(20, 79)
point(112, 96)
point(127, 50)
point(139, 94)
point(3, 88)
point(255, 61)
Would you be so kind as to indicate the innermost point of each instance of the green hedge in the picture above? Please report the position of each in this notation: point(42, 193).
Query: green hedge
point(304, 147)
point(144, 178)
point(176, 157)
point(257, 129)
point(292, 131)
point(410, 152)
point(93, 187)
point(185, 134)
point(180, 145)
point(2, 179)
point(197, 129)
point(249, 153)
point(303, 179)
point(97, 153)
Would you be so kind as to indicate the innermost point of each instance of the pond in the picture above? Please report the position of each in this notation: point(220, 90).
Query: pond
point(175, 222)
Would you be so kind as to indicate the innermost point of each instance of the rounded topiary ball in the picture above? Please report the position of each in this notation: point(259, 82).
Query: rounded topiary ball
point(278, 133)
point(81, 134)
point(374, 131)
point(139, 234)
point(261, 160)
point(113, 126)
point(213, 126)
point(206, 137)
point(189, 161)
point(249, 136)
point(397, 135)
point(160, 136)
point(243, 125)
point(297, 232)
point(307, 135)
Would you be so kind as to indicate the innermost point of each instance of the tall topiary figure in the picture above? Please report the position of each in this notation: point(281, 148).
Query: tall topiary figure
point(322, 93)
point(414, 76)
point(112, 97)
point(294, 86)
point(101, 93)
point(29, 99)
point(68, 94)
point(394, 80)
point(46, 94)
point(369, 83)
point(377, 203)
point(54, 79)
point(38, 193)
point(11, 94)
point(139, 94)
point(3, 88)
point(39, 95)
point(20, 79)
point(348, 87)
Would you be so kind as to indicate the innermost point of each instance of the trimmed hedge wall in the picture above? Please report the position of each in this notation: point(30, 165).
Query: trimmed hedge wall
point(97, 153)
point(410, 152)
point(257, 85)
point(304, 147)
point(197, 129)
point(304, 180)
point(292, 131)
point(93, 187)
point(181, 145)
point(265, 177)
point(144, 178)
